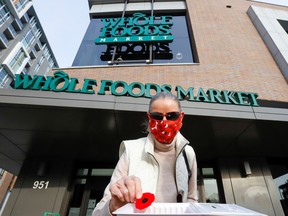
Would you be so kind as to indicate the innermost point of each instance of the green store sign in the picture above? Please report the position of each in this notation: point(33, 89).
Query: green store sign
point(61, 82)
point(136, 29)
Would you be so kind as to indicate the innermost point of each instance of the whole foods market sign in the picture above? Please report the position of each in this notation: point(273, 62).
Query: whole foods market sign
point(138, 28)
point(61, 82)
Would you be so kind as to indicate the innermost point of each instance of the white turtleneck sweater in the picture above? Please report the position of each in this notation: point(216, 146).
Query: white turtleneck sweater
point(166, 191)
point(166, 186)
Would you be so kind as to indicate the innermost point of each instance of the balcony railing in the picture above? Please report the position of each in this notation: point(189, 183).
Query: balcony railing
point(3, 41)
point(4, 14)
point(10, 32)
point(18, 25)
point(21, 4)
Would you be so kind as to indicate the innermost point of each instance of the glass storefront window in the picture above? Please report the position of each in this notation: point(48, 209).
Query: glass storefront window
point(208, 171)
point(102, 172)
point(82, 172)
point(76, 201)
point(89, 185)
point(211, 190)
point(177, 51)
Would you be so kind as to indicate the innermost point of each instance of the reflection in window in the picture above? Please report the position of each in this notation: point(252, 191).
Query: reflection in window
point(211, 190)
point(77, 197)
point(279, 173)
point(207, 185)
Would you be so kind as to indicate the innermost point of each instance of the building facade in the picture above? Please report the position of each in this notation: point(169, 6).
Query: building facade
point(225, 60)
point(7, 181)
point(24, 47)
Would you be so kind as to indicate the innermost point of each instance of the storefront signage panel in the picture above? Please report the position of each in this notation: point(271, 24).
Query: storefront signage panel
point(61, 82)
point(136, 29)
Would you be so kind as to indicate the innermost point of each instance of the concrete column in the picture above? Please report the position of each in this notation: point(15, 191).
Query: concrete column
point(41, 187)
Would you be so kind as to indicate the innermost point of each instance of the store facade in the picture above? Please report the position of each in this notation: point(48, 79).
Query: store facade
point(61, 133)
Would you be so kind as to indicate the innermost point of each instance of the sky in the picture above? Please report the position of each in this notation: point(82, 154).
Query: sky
point(64, 23)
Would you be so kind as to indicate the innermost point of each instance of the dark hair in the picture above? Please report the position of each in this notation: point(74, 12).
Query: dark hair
point(164, 95)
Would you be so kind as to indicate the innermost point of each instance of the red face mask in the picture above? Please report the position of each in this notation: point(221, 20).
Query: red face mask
point(165, 130)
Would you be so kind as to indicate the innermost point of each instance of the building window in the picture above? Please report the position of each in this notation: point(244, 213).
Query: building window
point(48, 69)
point(1, 175)
point(161, 24)
point(2, 172)
point(25, 70)
point(4, 13)
point(47, 54)
point(20, 4)
point(28, 38)
point(17, 24)
point(284, 24)
point(17, 60)
point(37, 68)
point(275, 37)
point(3, 41)
point(35, 29)
point(3, 78)
point(12, 31)
point(209, 189)
point(88, 187)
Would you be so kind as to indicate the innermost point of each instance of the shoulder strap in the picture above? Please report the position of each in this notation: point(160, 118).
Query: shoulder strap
point(187, 164)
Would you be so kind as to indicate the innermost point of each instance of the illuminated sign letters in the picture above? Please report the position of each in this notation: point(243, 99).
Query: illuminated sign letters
point(61, 82)
point(136, 29)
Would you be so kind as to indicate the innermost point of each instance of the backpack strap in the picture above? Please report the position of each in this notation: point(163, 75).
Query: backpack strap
point(187, 164)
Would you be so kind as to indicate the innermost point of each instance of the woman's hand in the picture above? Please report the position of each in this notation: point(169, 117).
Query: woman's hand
point(125, 190)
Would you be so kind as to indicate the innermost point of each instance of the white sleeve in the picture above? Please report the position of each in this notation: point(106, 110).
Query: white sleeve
point(121, 170)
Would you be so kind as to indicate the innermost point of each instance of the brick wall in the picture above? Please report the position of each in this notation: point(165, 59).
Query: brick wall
point(231, 53)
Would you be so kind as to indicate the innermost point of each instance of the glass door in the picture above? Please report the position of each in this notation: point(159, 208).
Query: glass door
point(88, 188)
point(208, 186)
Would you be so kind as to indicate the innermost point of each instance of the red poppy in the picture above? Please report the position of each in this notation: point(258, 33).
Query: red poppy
point(145, 201)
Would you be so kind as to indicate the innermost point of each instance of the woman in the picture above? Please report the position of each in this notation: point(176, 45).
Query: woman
point(157, 163)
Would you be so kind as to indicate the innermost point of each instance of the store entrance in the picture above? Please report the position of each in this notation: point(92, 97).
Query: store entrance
point(90, 183)
point(88, 188)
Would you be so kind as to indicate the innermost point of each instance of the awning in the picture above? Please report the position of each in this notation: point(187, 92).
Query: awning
point(89, 128)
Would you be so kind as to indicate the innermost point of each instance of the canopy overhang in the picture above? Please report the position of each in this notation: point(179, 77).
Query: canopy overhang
point(83, 127)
